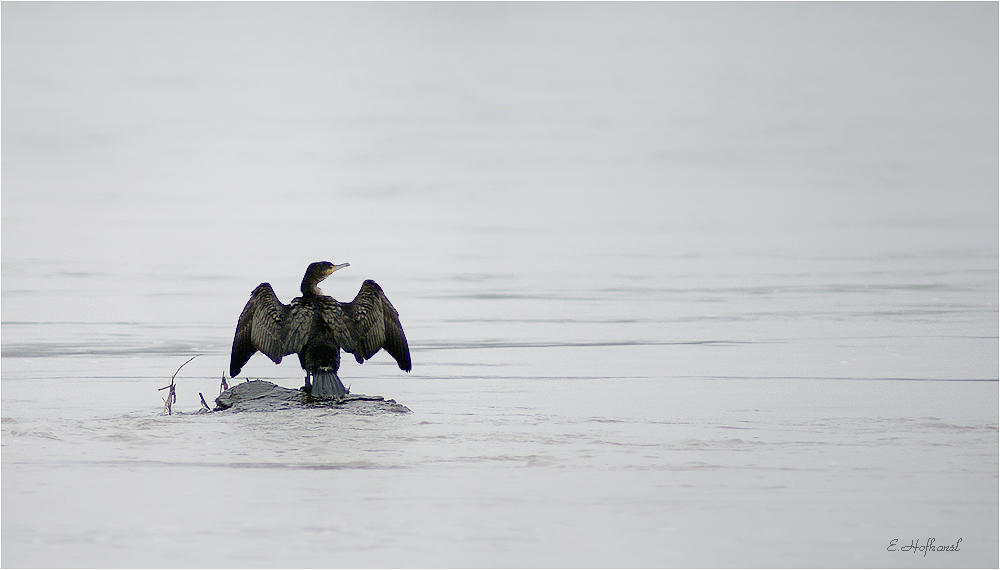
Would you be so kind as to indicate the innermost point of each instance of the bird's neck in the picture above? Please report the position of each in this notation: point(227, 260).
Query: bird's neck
point(310, 288)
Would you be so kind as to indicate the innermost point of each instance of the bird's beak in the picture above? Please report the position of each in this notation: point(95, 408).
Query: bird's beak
point(332, 269)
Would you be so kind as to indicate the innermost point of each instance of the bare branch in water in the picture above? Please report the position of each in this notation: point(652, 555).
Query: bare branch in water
point(182, 366)
point(171, 398)
point(203, 404)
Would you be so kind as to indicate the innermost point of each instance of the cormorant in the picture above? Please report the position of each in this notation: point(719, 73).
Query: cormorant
point(316, 327)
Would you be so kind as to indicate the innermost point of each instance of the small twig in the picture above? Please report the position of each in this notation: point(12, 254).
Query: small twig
point(171, 398)
point(203, 404)
point(178, 370)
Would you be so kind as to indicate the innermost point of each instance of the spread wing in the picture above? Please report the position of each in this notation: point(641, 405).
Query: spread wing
point(298, 325)
point(367, 324)
point(260, 328)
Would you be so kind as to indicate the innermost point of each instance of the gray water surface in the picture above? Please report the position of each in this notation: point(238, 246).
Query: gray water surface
point(684, 284)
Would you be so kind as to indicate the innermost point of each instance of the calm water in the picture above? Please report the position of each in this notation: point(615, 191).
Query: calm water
point(684, 284)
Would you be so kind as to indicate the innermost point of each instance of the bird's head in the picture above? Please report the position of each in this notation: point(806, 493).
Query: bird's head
point(317, 272)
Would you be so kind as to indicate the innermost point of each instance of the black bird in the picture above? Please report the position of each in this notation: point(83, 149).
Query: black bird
point(316, 327)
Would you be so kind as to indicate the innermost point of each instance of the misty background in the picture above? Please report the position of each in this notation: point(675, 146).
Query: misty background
point(613, 231)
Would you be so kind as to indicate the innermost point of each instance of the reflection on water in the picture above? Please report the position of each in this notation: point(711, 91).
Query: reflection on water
point(659, 265)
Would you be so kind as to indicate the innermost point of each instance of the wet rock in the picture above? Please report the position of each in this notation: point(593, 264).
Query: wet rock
point(261, 396)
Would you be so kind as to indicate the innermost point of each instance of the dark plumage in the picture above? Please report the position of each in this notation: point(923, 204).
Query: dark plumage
point(316, 327)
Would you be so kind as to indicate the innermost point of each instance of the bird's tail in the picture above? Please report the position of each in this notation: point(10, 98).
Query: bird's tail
point(327, 385)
